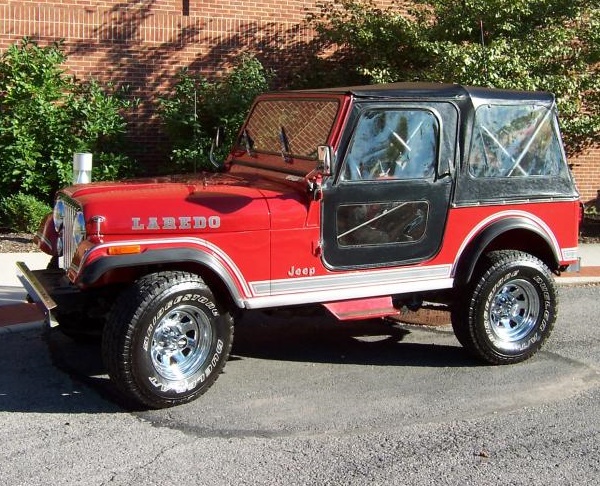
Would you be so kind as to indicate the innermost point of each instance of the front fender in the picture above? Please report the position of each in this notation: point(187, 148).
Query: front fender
point(46, 236)
point(93, 270)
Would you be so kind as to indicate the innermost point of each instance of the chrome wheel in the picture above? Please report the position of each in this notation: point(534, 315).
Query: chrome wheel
point(181, 343)
point(509, 309)
point(166, 340)
point(514, 310)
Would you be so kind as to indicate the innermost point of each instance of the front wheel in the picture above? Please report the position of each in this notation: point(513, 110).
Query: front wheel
point(509, 310)
point(166, 340)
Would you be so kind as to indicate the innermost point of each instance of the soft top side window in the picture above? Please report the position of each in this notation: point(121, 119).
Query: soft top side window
point(393, 144)
point(515, 141)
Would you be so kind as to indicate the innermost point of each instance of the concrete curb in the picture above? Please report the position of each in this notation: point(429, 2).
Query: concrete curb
point(24, 327)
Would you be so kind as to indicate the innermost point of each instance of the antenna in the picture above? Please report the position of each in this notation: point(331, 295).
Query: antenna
point(482, 33)
point(195, 121)
point(482, 40)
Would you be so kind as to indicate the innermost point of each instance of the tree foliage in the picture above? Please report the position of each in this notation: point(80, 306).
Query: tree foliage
point(197, 106)
point(46, 116)
point(551, 45)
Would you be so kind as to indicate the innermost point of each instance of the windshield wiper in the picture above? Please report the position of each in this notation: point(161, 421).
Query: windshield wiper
point(247, 142)
point(285, 146)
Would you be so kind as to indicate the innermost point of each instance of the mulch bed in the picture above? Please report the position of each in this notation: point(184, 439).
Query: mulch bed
point(11, 242)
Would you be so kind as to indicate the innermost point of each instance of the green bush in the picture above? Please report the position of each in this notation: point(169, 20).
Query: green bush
point(197, 107)
point(591, 211)
point(23, 212)
point(46, 116)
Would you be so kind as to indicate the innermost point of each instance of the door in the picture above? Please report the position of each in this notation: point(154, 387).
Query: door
point(388, 202)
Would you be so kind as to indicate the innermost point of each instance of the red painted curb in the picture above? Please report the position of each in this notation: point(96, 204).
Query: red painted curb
point(583, 272)
point(23, 313)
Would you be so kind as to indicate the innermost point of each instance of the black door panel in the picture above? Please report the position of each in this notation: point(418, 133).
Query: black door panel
point(390, 201)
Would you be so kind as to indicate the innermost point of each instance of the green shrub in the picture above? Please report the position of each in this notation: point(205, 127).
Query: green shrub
point(23, 212)
point(46, 116)
point(591, 211)
point(197, 107)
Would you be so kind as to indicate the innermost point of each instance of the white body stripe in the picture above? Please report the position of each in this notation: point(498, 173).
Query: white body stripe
point(503, 215)
point(570, 254)
point(188, 242)
point(333, 295)
point(304, 290)
point(345, 281)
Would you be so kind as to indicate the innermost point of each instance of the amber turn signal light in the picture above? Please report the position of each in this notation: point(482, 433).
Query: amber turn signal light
point(124, 250)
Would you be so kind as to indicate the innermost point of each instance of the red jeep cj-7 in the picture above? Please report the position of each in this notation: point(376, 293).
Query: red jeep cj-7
point(364, 200)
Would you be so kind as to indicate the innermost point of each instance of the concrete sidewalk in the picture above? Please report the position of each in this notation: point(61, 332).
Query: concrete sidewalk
point(590, 266)
point(17, 315)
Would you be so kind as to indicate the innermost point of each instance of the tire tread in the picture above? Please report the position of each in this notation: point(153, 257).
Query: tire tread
point(463, 313)
point(119, 330)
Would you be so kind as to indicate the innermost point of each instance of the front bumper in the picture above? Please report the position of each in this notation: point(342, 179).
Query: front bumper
point(48, 289)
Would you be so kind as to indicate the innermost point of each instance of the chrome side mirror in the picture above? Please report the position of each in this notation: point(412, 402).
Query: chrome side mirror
point(324, 158)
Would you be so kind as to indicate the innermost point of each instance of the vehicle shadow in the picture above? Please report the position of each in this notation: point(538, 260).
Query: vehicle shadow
point(43, 371)
point(30, 382)
point(322, 338)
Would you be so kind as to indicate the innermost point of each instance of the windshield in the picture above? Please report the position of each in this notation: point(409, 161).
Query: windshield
point(293, 128)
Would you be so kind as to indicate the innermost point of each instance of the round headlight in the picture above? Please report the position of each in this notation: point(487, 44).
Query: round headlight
point(59, 246)
point(79, 228)
point(58, 215)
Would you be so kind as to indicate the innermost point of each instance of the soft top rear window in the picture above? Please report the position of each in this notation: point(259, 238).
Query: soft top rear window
point(515, 141)
point(294, 127)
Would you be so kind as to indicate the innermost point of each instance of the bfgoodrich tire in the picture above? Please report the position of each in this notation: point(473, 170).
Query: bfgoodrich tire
point(166, 340)
point(509, 310)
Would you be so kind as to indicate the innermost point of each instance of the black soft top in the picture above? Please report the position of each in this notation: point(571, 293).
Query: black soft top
point(445, 91)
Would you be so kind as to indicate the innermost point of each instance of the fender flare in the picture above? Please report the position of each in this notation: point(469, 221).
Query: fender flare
point(92, 272)
point(466, 261)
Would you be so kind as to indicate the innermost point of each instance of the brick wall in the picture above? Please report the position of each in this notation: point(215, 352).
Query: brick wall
point(144, 43)
point(586, 169)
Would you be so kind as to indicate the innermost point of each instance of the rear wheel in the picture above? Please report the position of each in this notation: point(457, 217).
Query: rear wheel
point(509, 310)
point(166, 340)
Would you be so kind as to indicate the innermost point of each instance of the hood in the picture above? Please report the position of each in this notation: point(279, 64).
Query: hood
point(184, 204)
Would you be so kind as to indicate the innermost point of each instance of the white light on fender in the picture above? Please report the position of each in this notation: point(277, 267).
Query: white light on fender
point(58, 215)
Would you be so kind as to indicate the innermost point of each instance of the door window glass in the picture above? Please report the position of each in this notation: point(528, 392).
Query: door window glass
point(393, 144)
point(381, 223)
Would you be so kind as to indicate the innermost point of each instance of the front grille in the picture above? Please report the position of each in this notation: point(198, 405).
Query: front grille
point(67, 233)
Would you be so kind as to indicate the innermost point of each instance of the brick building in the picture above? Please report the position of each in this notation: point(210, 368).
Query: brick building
point(144, 43)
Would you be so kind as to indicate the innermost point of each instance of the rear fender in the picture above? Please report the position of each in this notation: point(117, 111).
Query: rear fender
point(517, 233)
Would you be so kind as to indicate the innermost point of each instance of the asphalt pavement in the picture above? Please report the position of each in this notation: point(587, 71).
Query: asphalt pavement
point(16, 314)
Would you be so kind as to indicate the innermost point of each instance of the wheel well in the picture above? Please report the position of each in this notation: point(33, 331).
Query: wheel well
point(521, 239)
point(129, 274)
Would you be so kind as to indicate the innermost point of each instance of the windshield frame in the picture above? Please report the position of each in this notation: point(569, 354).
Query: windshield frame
point(278, 153)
